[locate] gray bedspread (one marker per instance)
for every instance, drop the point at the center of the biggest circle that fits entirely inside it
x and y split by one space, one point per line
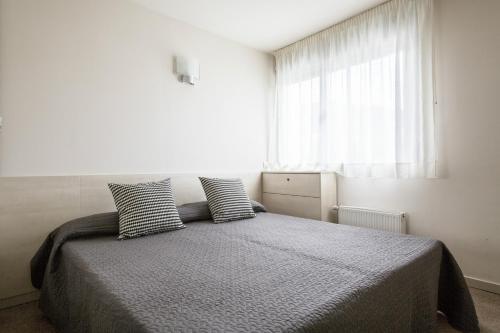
273 273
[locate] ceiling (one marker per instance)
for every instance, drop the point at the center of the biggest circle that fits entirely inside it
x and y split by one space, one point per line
265 25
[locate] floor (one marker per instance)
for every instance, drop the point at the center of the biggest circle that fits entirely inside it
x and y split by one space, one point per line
27 317
488 311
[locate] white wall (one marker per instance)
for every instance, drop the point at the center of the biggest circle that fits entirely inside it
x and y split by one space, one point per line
463 207
87 87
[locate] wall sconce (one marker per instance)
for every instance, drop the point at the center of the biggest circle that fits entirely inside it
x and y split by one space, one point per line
187 69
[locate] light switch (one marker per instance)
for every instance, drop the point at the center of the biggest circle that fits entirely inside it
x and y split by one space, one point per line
1 122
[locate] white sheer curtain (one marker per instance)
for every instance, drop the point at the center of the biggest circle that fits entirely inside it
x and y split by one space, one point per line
357 98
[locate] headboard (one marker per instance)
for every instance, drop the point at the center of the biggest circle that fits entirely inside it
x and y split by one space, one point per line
31 207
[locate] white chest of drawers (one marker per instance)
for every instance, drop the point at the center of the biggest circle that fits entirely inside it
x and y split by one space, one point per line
306 194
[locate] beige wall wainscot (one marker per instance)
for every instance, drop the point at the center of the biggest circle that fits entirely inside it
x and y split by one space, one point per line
31 207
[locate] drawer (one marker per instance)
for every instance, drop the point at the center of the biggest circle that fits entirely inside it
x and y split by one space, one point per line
303 184
306 207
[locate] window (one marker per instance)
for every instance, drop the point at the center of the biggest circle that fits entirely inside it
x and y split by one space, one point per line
358 98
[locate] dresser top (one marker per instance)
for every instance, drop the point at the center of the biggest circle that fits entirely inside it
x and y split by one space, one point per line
300 172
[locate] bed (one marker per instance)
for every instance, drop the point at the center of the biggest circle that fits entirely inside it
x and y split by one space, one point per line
272 273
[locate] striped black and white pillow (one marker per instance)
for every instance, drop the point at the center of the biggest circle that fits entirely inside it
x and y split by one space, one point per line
145 208
227 199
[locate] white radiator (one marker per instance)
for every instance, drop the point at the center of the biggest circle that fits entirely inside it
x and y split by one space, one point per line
368 218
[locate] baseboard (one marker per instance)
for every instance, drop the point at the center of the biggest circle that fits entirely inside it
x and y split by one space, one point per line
490 286
19 299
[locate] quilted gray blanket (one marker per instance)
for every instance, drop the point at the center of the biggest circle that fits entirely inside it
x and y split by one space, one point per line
272 273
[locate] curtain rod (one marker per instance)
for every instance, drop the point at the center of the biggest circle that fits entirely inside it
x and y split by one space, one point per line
331 26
